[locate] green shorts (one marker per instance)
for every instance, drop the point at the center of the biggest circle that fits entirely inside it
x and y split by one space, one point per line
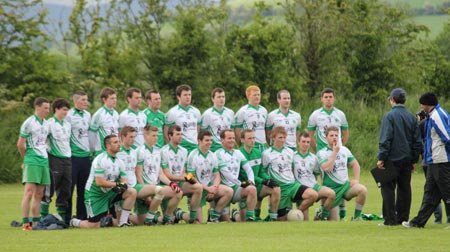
36 174
288 192
341 191
140 206
98 204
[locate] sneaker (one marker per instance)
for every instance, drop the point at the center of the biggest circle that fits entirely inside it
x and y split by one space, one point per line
318 214
408 224
234 211
150 223
125 225
250 219
27 227
359 218
213 220
258 219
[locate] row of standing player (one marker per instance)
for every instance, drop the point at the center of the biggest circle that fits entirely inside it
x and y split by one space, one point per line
104 119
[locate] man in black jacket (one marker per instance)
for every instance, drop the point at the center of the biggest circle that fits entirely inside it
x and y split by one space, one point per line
400 143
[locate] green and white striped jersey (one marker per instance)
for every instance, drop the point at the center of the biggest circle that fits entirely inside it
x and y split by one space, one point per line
188 119
104 122
129 158
203 166
79 138
215 121
231 163
59 138
135 119
320 119
278 163
291 122
110 168
174 159
150 160
306 168
35 131
339 174
251 117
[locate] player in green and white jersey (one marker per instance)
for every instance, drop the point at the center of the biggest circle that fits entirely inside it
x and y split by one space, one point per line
333 160
106 185
233 162
32 147
306 168
132 116
252 116
326 116
217 118
173 162
105 121
79 119
278 160
322 118
205 166
283 116
59 160
149 171
264 185
184 115
128 154
154 115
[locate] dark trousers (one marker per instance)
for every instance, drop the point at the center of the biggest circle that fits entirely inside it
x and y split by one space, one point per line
437 188
397 210
438 211
81 167
61 181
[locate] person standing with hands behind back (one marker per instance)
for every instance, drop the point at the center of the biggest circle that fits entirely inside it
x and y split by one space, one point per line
399 143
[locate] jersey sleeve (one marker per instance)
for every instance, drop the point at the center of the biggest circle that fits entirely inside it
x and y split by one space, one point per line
238 119
95 122
312 124
299 124
204 122
169 119
140 156
269 121
316 169
321 156
25 129
344 122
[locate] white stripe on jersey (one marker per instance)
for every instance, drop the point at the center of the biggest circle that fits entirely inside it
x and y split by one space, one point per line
79 139
129 158
291 122
339 174
137 120
215 121
187 119
279 164
59 138
203 166
150 159
174 160
306 168
250 117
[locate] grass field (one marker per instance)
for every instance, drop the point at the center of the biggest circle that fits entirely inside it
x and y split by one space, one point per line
287 236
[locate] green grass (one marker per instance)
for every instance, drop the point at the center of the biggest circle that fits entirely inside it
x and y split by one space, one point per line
434 23
287 236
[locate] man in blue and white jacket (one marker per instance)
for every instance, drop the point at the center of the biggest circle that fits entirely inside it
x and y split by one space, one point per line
437 156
